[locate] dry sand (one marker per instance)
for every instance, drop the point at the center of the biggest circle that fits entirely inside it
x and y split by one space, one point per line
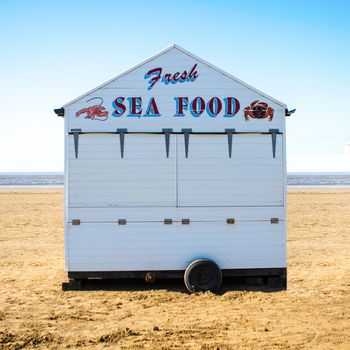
312 314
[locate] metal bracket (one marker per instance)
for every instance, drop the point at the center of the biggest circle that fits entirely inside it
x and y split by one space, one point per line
76 140
230 221
75 222
121 221
185 221
59 111
229 140
273 137
186 133
274 220
122 133
168 221
167 133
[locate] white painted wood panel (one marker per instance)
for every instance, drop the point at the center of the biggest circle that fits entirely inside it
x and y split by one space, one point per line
219 214
144 177
157 231
137 247
145 187
199 177
210 83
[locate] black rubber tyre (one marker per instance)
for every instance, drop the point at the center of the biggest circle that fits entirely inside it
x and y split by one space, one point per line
203 275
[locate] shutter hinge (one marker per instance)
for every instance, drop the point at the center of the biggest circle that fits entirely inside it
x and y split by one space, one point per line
273 137
167 133
229 140
122 133
76 133
121 221
186 133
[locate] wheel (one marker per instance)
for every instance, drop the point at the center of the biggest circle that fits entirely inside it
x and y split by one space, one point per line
203 275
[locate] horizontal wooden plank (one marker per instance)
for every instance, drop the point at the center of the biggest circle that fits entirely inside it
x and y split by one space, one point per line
146 176
176 213
244 197
115 164
82 173
261 254
139 229
114 156
141 203
167 242
175 265
253 178
115 187
168 249
140 246
133 203
140 264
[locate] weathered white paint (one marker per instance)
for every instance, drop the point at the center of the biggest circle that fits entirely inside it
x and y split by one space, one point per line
99 177
145 187
210 83
155 246
150 214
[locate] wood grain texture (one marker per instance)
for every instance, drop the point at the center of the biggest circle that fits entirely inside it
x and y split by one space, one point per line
209 83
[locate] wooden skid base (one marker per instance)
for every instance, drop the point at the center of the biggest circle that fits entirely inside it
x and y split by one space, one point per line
72 284
273 277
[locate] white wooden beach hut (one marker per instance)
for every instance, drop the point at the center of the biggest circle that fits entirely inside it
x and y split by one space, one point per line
175 168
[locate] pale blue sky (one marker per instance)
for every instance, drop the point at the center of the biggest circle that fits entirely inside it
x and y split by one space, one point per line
295 51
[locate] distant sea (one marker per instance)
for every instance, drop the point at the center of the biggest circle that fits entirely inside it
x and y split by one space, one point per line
55 180
31 180
318 180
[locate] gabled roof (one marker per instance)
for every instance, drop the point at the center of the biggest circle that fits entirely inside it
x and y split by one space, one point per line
175 46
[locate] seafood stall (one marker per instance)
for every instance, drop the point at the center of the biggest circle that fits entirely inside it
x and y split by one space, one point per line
175 168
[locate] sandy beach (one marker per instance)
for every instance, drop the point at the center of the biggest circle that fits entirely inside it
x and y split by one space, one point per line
312 314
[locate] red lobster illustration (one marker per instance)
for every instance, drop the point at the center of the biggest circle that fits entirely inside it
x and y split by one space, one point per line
258 110
97 112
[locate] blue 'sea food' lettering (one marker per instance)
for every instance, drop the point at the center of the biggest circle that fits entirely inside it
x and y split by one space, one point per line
226 107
